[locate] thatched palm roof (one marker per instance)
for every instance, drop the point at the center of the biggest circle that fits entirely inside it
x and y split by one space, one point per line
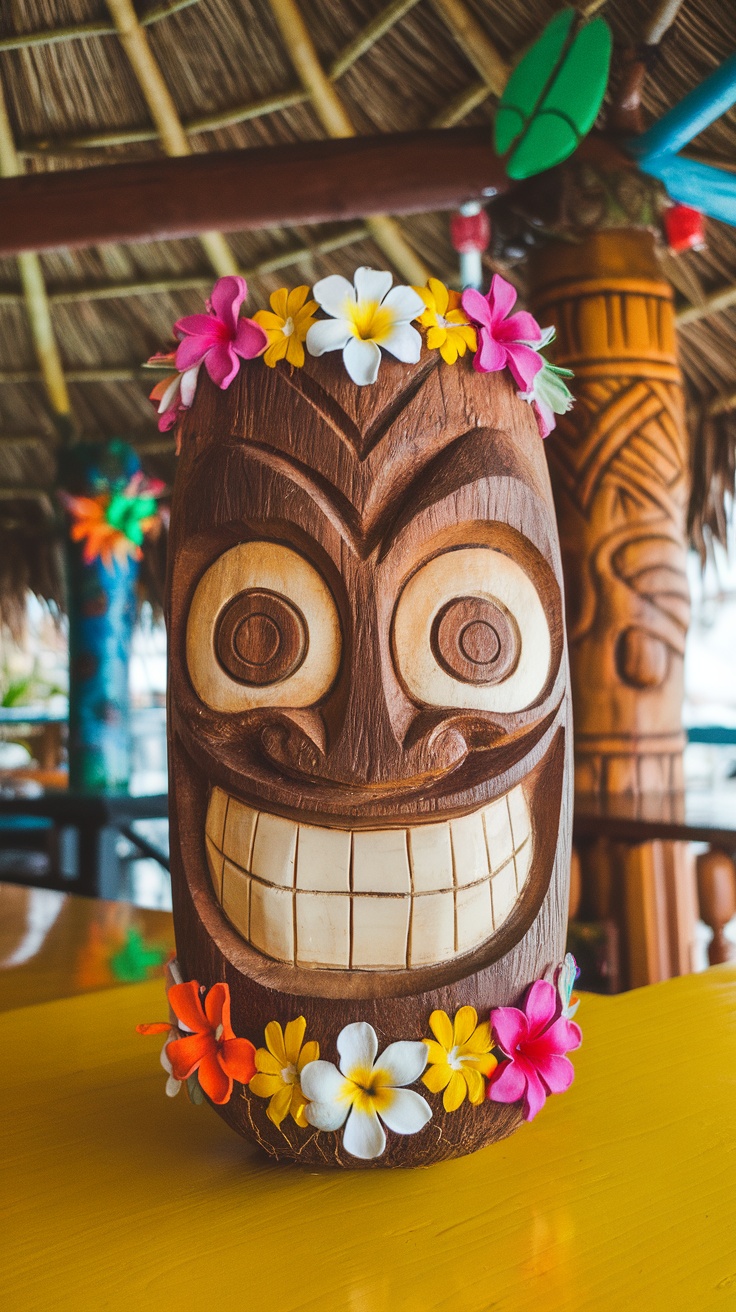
75 96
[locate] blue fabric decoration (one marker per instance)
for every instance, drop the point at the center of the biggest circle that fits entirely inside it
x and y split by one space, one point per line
693 115
709 189
705 188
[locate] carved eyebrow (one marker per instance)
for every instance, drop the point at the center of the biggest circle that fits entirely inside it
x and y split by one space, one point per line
224 460
485 456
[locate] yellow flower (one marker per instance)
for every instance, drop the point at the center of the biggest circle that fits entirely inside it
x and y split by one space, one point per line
287 327
448 328
459 1056
279 1066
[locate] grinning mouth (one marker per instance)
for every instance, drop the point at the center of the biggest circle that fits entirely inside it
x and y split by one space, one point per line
380 899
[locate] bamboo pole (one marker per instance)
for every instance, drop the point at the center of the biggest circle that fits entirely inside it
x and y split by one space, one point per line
713 304
460 105
51 36
661 20
110 374
362 43
34 290
194 282
721 405
164 113
475 43
335 120
252 109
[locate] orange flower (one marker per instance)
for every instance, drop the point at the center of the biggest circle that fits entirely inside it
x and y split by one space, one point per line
100 538
210 1047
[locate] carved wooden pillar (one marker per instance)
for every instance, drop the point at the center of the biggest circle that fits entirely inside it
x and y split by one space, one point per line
619 471
618 463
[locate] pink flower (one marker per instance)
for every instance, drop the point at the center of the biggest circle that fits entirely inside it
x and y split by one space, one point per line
219 337
503 341
534 1041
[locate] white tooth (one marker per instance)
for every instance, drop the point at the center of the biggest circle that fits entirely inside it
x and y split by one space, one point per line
323 859
474 918
274 850
498 833
323 929
380 861
430 852
519 813
272 921
214 861
240 827
469 852
380 932
503 886
236 898
523 862
432 934
216 812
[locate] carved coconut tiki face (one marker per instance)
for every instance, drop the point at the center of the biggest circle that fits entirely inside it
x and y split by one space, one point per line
369 717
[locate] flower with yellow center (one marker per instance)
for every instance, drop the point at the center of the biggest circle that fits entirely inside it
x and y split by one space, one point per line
459 1056
367 1091
449 330
286 325
366 316
279 1067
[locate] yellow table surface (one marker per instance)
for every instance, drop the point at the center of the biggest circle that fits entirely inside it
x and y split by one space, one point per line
620 1196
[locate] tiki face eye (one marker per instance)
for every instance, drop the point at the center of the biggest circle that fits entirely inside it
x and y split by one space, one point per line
470 631
273 630
261 638
476 640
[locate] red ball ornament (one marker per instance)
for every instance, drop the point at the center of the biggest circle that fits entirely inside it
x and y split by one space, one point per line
470 232
684 229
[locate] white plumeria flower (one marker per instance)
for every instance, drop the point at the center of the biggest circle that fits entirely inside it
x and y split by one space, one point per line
172 1084
365 316
365 1089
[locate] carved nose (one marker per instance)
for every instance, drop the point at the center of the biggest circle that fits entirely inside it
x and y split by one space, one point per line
360 758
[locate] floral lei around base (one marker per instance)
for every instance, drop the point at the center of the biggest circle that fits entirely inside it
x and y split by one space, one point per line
362 319
517 1055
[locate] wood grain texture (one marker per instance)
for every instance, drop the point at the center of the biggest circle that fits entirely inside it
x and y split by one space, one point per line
619 472
716 874
308 182
618 1197
369 487
619 467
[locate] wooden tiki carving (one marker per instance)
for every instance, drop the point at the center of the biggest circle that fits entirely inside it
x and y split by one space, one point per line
368 715
618 463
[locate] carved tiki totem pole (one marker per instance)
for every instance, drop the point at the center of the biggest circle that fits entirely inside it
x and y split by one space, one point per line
618 463
369 714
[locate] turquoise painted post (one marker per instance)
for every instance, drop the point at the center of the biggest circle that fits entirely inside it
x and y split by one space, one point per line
101 599
102 607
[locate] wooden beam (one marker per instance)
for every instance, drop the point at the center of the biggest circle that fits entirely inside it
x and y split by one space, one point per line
302 182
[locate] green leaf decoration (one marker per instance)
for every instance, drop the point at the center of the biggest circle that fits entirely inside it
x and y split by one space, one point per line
125 513
136 958
553 96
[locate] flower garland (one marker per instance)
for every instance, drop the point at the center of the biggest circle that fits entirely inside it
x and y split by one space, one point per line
517 1055
113 524
362 319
